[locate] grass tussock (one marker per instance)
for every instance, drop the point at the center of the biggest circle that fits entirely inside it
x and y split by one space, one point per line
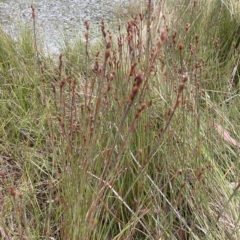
132 136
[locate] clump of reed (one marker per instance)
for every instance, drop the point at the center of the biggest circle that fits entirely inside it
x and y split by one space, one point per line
137 140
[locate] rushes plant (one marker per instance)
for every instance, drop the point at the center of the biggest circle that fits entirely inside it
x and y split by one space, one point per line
132 137
117 169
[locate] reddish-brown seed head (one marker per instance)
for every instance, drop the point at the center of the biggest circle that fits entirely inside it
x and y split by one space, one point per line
108 44
163 36
180 46
107 54
138 79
